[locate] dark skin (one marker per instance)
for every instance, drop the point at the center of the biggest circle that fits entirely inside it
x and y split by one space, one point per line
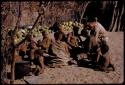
37 58
72 40
92 44
45 44
40 60
58 38
103 53
106 58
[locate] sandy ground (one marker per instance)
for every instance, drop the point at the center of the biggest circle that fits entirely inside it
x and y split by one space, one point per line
83 75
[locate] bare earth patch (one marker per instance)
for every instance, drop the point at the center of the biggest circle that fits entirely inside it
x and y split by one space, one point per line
82 75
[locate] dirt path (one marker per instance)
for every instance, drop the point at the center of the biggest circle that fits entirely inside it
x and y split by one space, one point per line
82 75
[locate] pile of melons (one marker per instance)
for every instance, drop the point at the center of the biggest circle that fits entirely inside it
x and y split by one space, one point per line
68 26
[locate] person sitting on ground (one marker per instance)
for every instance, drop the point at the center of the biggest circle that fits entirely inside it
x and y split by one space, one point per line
60 50
104 56
61 31
32 47
72 40
73 44
35 58
38 61
23 48
31 44
101 50
45 43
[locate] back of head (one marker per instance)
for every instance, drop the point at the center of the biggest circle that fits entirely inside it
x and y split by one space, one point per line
55 27
45 33
85 32
92 19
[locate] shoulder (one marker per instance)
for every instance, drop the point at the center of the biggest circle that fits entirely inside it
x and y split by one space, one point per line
64 43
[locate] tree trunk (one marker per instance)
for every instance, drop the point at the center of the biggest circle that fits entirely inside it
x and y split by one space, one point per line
13 67
84 9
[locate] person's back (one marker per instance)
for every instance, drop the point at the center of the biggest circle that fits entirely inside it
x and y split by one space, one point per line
100 29
59 44
60 50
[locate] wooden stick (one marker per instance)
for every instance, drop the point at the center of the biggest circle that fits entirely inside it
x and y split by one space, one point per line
14 49
15 46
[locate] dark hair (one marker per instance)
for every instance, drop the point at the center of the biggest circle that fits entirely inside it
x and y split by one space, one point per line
55 27
31 45
85 33
92 19
21 53
57 35
44 33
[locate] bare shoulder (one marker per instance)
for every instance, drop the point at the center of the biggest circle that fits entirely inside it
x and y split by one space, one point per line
64 43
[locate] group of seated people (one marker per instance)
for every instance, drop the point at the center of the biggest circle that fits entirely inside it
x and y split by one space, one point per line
59 49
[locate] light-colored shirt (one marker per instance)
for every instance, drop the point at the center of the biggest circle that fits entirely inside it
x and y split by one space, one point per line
100 30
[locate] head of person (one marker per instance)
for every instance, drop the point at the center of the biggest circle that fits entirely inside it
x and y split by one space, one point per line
61 28
55 27
45 34
58 36
33 45
92 21
85 33
39 43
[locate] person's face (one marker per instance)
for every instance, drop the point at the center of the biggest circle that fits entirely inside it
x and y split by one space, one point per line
33 45
60 37
61 29
46 35
91 24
